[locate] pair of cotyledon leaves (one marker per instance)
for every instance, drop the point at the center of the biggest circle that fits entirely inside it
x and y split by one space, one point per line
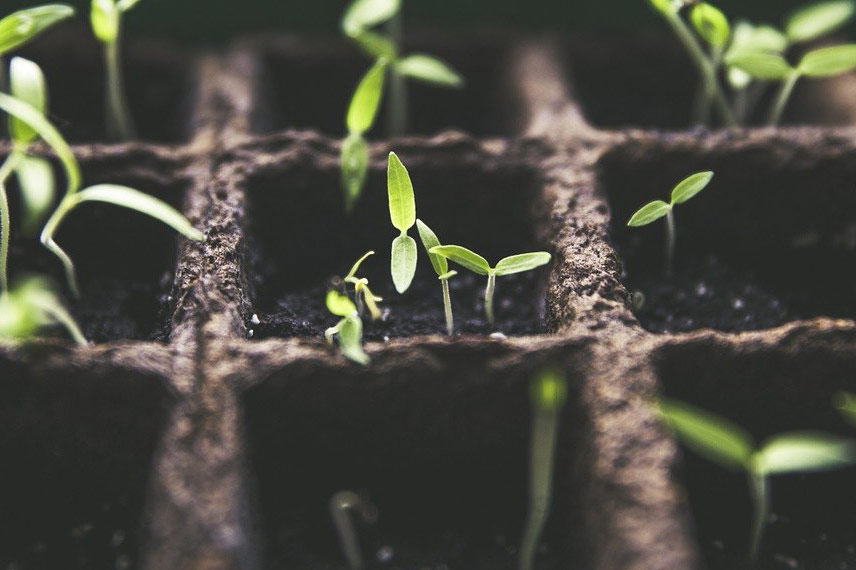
349 330
684 191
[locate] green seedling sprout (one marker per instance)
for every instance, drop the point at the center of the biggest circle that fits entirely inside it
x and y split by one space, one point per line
402 212
21 27
74 197
548 394
363 295
441 266
728 445
31 306
106 17
479 265
713 27
349 330
657 209
341 506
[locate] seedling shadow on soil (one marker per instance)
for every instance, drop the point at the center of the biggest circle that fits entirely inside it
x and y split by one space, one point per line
770 241
310 87
813 522
294 254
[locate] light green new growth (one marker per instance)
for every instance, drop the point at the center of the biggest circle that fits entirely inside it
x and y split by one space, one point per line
441 266
653 211
402 212
106 19
548 394
479 265
349 330
341 506
19 28
719 441
362 293
31 306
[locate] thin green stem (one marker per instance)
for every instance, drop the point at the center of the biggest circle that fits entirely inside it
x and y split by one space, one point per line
6 171
51 227
704 97
488 297
670 242
447 302
761 502
119 122
341 505
782 98
398 104
64 318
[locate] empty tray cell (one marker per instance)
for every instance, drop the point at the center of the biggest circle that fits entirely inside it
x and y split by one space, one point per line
767 390
439 444
78 439
125 260
160 84
650 82
294 252
772 238
308 84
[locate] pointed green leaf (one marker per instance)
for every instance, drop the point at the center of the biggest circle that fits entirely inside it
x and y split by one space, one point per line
648 213
818 20
403 265
429 240
355 167
707 434
402 202
748 38
803 452
362 14
463 257
351 339
340 305
430 70
522 262
27 83
356 266
37 184
377 46
690 186
711 24
366 100
829 61
20 27
761 65
105 20
846 404
143 203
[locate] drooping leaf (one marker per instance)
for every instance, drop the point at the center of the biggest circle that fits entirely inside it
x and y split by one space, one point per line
711 24
20 27
549 391
708 435
762 65
37 184
430 70
356 266
143 203
351 339
403 264
27 83
355 166
402 202
690 186
377 46
463 257
340 305
522 262
105 17
429 240
40 296
803 452
648 213
818 20
363 14
366 100
829 61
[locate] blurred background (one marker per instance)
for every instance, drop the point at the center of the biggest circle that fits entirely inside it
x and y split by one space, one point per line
216 21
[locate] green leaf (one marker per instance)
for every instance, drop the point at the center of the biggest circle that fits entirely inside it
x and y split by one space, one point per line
829 61
549 391
430 70
20 27
362 14
708 435
366 100
403 265
818 20
402 202
126 5
448 275
648 213
463 257
105 16
355 167
690 186
19 320
522 262
663 6
143 203
27 83
429 240
761 65
37 185
377 46
340 305
748 38
356 266
846 404
803 452
39 295
351 339
711 24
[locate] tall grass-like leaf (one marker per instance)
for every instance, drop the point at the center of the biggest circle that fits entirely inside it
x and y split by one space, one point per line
429 69
464 257
804 452
366 100
522 262
690 186
829 61
402 202
24 25
364 14
818 20
711 24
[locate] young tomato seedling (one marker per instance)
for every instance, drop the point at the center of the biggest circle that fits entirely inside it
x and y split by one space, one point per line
723 443
106 17
349 330
362 293
479 265
402 212
657 209
441 266
548 394
31 306
342 504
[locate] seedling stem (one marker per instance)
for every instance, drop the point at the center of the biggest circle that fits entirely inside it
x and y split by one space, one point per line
488 297
761 503
6 171
341 505
447 303
670 242
783 97
119 122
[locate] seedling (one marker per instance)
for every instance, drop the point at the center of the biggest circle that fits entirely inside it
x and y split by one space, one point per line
362 294
402 212
341 506
479 265
19 28
441 266
74 197
30 307
657 209
349 330
726 444
548 394
106 17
